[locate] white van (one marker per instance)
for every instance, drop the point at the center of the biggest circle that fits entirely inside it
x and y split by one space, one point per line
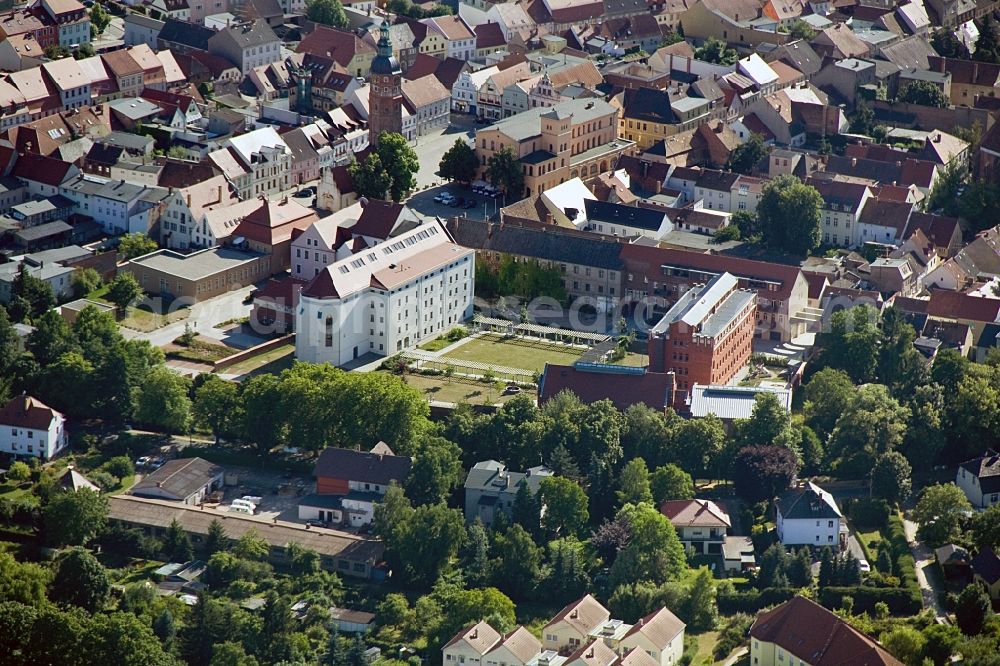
244 503
239 508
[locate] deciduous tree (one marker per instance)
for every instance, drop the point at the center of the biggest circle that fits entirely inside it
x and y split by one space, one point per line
326 12
923 93
135 245
80 580
716 52
789 215
972 609
764 472
891 477
163 401
670 482
654 552
459 162
74 518
939 513
565 506
503 170
633 485
124 291
747 155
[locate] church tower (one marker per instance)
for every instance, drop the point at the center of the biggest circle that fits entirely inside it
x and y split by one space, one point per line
385 96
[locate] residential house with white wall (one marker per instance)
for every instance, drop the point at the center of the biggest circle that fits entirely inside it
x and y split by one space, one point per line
247 45
185 224
465 91
470 646
72 20
571 627
843 203
28 427
809 516
659 634
69 80
517 648
700 524
491 488
979 479
120 207
258 162
459 38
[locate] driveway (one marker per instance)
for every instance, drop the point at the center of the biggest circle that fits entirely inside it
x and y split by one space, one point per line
202 319
924 558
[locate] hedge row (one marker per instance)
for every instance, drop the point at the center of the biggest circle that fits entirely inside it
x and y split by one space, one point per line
752 601
900 601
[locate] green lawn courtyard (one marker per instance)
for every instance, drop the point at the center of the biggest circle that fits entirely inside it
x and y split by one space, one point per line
460 389
525 353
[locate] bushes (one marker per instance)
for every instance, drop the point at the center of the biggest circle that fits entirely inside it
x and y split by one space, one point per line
733 634
750 602
871 513
900 601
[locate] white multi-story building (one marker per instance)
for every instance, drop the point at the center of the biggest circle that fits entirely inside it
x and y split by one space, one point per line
256 163
809 516
118 206
457 34
387 298
247 46
843 203
30 428
465 91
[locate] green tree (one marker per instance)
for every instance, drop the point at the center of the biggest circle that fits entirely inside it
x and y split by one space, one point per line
748 224
216 540
764 472
124 291
19 472
654 552
477 567
35 294
85 50
703 440
923 93
326 12
972 610
891 477
747 155
85 280
22 583
80 580
852 343
873 424
863 121
135 245
939 513
519 566
526 511
165 628
231 653
768 424
275 645
163 401
99 18
565 506
948 45
941 642
799 570
700 608
789 215
371 179
400 162
74 518
905 643
716 52
216 405
670 482
504 171
633 485
177 543
459 162
262 398
988 43
945 195
251 546
436 471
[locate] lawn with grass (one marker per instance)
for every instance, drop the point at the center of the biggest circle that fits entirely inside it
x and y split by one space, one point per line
526 353
459 389
706 647
437 344
272 361
869 542
199 351
17 492
141 318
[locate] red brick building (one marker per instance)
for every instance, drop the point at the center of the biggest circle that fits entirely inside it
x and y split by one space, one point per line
706 336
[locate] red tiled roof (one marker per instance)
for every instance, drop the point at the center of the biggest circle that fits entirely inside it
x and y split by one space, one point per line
285 290
655 390
489 35
956 305
810 632
41 169
939 229
642 258
24 411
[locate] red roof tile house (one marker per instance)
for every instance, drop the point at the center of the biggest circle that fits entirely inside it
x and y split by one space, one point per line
801 630
349 483
701 524
269 229
29 427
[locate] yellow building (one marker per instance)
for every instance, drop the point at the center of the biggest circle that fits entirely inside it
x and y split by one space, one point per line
578 138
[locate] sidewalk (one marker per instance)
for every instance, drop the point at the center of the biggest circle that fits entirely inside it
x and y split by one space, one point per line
924 557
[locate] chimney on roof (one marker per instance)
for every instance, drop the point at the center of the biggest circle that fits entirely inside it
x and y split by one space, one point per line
475 633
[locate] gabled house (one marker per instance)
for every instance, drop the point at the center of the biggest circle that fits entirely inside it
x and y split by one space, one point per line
490 489
802 631
28 427
185 480
809 516
700 524
246 46
349 483
659 635
517 648
569 631
470 646
979 479
594 653
270 227
986 571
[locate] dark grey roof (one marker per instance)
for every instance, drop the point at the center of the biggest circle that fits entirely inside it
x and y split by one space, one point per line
41 231
706 88
126 140
362 466
181 478
986 564
808 502
989 337
987 469
800 55
722 181
603 211
648 104
537 157
539 243
257 33
188 34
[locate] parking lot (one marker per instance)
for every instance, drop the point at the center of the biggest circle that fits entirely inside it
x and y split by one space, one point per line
279 492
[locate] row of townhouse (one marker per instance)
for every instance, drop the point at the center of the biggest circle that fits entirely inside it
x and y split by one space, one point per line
582 633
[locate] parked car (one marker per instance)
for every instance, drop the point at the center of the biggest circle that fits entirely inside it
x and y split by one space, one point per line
443 197
455 203
864 566
470 203
512 389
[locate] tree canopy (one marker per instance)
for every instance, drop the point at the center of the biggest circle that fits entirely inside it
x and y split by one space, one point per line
789 215
326 12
